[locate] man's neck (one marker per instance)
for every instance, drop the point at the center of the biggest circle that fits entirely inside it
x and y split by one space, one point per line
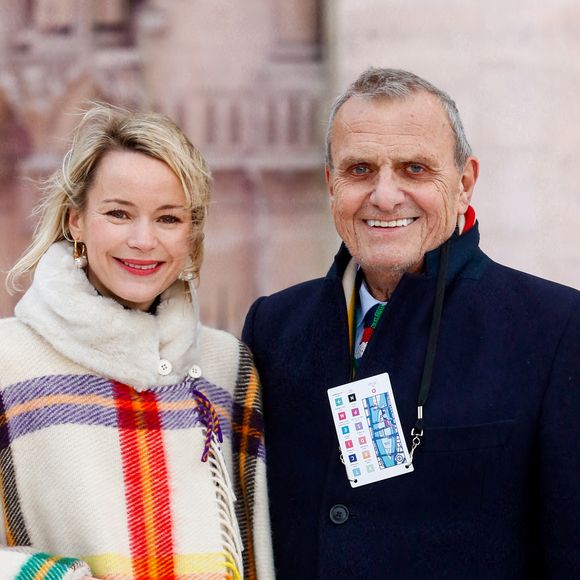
382 283
382 286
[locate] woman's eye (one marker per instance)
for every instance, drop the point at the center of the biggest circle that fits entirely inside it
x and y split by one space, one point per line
169 219
117 213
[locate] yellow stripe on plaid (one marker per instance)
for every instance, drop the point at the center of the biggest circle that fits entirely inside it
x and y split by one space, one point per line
252 394
210 563
96 400
45 568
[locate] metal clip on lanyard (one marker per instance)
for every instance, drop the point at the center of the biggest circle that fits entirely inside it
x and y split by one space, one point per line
417 431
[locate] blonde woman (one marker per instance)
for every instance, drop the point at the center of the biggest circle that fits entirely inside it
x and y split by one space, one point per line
128 428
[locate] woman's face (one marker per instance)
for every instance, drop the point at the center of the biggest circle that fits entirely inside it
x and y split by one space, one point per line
135 227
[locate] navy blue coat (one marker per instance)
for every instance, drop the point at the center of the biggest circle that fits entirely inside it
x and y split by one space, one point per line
495 493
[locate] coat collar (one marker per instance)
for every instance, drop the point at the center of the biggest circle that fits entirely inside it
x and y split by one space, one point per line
99 334
466 260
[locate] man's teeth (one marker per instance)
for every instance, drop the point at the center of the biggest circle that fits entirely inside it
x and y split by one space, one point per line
390 224
141 266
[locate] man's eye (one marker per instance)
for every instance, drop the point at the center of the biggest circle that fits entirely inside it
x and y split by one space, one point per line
415 168
360 170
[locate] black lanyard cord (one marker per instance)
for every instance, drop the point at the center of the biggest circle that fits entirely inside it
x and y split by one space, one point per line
417 431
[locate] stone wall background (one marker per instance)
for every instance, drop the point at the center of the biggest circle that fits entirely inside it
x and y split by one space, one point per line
250 82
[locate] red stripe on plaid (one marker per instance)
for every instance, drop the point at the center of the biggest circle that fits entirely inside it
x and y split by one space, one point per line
128 425
162 521
146 483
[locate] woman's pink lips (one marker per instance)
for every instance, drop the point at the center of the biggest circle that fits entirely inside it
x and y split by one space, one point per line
127 265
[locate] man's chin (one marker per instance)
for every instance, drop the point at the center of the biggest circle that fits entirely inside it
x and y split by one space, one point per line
388 265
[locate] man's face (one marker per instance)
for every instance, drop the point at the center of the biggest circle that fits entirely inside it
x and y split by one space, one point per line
394 188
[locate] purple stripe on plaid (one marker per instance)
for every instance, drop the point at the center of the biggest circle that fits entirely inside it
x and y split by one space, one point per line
60 414
91 413
56 384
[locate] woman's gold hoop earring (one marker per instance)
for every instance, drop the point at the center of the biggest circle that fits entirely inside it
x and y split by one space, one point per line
80 255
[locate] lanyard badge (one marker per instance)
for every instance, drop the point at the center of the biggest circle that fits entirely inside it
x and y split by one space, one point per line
365 414
369 432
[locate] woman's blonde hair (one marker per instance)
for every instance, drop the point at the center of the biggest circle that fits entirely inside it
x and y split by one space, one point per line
105 128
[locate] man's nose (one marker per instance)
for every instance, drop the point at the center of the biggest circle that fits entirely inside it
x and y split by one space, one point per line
143 236
387 193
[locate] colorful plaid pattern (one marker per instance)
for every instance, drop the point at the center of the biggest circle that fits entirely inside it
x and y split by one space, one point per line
248 445
42 566
89 400
142 419
147 483
16 533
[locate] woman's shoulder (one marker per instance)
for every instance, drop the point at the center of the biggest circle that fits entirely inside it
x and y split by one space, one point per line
18 344
224 358
13 333
220 339
24 354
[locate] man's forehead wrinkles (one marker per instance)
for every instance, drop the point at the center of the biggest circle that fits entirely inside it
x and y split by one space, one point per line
413 150
383 126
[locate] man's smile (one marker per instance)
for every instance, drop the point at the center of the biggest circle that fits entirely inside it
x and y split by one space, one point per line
403 222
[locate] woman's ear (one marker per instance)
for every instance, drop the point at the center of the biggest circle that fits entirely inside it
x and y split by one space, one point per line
75 223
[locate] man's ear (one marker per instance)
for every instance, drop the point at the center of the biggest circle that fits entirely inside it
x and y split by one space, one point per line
328 177
75 224
467 183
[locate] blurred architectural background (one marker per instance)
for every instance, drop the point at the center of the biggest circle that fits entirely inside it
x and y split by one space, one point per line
250 82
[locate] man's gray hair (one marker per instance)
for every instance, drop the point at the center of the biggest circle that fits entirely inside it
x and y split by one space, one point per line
400 84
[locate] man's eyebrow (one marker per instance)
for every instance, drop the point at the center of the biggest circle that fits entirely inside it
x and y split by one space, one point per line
419 158
352 160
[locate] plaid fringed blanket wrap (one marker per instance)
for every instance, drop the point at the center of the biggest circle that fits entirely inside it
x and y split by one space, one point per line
94 469
248 450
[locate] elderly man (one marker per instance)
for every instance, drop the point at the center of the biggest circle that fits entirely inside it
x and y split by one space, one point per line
439 436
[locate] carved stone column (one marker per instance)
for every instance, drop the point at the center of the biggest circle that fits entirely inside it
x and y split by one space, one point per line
297 25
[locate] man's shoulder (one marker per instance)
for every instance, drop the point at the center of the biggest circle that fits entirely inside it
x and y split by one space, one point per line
298 293
531 284
297 302
292 310
531 296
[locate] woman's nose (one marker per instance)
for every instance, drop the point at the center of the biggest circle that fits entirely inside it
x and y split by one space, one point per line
143 236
